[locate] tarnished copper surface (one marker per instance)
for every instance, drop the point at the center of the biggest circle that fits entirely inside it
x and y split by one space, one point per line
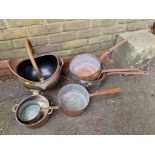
72 113
45 116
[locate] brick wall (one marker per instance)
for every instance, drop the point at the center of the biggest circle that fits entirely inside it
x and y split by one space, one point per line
61 36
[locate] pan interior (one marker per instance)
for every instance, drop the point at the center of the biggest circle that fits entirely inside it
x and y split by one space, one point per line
41 102
73 98
46 64
85 65
30 111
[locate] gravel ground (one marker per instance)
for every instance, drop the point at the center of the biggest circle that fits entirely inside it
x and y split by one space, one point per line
130 112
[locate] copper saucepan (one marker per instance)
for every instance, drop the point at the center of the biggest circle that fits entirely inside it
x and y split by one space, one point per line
74 98
87 66
93 85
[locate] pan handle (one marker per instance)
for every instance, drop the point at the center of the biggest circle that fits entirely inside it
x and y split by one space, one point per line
50 109
14 108
62 62
128 73
30 53
55 107
120 70
111 49
108 91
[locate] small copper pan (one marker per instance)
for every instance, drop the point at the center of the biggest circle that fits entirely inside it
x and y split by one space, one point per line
74 98
45 113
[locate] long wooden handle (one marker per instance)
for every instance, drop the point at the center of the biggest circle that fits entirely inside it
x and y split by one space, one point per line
108 91
128 73
120 70
30 53
111 49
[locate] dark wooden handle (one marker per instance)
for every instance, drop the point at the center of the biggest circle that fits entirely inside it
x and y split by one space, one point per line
108 91
30 53
111 49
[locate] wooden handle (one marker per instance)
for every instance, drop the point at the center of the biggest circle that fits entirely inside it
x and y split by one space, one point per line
108 91
120 70
111 49
117 45
128 73
30 53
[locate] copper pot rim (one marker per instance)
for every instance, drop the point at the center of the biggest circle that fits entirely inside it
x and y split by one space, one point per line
91 77
65 110
73 113
45 112
22 59
94 56
101 77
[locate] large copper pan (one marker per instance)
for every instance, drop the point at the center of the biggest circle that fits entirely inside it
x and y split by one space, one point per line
74 98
